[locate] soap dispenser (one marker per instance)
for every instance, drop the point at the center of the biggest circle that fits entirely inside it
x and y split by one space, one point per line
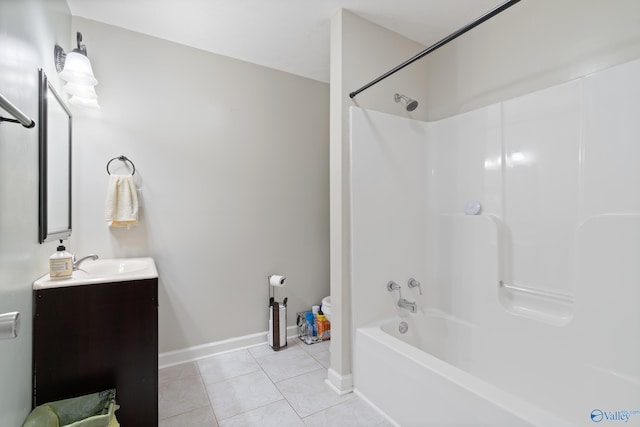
60 263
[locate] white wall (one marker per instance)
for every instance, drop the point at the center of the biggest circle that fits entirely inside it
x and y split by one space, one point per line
389 178
522 160
608 235
28 32
532 45
360 52
464 163
232 159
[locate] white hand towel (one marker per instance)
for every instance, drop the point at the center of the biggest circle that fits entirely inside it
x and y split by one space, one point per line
122 201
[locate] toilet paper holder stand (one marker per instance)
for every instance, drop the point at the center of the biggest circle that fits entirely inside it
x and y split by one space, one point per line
276 323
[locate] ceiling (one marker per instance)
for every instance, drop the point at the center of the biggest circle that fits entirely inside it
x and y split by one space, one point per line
288 35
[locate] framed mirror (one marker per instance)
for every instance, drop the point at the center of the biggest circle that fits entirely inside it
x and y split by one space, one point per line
54 164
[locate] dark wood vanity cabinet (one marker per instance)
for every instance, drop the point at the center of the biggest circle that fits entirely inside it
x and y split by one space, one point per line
94 337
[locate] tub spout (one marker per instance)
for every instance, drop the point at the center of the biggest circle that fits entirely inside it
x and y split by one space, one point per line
411 306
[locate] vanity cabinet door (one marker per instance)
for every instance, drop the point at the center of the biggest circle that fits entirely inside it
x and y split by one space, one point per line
91 338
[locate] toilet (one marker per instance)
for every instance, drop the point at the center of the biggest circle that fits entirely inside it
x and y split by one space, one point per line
326 307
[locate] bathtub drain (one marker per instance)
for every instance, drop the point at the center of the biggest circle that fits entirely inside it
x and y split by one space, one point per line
403 328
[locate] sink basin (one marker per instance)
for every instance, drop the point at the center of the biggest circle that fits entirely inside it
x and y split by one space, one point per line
104 271
110 267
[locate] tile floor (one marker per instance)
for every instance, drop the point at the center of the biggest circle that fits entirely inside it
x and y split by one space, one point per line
260 387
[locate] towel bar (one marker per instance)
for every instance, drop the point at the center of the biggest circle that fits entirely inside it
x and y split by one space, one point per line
20 117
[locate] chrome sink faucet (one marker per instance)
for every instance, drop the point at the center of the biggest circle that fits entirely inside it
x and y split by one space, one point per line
76 263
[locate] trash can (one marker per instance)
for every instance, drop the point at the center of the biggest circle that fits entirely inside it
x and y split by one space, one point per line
91 410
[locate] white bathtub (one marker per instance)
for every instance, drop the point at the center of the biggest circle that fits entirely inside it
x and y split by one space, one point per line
445 372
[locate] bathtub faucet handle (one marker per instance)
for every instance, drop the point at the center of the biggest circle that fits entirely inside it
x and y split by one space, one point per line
392 286
413 283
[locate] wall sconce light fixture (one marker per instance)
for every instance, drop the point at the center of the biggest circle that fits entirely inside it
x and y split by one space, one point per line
75 68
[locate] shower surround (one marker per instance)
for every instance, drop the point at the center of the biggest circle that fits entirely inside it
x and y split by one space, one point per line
530 307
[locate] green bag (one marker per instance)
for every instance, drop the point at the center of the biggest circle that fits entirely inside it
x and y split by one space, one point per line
91 410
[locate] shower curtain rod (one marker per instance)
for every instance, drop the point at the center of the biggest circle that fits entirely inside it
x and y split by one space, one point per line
20 117
504 6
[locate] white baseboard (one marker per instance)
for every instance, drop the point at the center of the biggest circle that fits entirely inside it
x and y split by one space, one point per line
190 354
341 384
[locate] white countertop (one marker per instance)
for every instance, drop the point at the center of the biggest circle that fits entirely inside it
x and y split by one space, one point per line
103 271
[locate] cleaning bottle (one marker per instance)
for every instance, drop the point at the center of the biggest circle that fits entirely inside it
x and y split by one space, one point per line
323 326
60 263
312 330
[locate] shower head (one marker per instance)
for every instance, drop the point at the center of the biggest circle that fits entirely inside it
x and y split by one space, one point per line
410 104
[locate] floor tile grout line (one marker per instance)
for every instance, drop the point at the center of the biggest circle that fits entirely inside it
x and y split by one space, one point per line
296 376
316 412
206 391
256 408
231 378
255 359
180 377
183 413
317 360
284 379
340 402
260 369
280 391
190 410
294 410
237 376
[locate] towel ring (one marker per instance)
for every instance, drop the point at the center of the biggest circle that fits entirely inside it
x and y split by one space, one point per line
123 159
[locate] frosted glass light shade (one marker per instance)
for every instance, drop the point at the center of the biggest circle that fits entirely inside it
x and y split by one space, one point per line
82 91
84 102
77 69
